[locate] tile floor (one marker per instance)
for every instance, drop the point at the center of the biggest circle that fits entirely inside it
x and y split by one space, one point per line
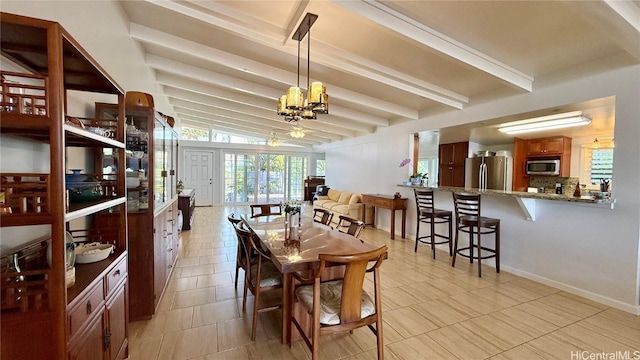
431 311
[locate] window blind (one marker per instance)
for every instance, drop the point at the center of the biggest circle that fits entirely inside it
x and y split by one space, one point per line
601 165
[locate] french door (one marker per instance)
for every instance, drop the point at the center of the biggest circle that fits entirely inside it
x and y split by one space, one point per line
263 178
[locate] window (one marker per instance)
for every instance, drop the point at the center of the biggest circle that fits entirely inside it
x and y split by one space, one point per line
190 132
601 165
597 164
264 178
320 167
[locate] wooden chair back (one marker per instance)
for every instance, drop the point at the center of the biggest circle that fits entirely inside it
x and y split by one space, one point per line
322 216
241 260
424 200
466 205
265 209
356 265
254 280
350 226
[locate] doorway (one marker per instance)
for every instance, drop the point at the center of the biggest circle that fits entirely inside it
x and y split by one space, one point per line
198 175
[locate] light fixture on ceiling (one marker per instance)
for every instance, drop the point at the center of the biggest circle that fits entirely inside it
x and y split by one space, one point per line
273 140
549 122
603 143
293 106
297 132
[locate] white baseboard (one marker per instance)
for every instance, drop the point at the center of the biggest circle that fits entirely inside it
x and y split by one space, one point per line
633 309
630 308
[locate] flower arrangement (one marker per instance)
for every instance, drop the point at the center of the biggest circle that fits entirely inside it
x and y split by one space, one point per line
292 207
179 186
415 178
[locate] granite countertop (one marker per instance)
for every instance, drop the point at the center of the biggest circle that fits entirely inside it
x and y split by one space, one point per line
521 194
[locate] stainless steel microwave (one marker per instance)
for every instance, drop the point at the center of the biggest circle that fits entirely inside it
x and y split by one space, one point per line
543 167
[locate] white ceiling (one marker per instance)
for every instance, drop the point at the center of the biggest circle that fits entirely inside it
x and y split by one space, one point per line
224 63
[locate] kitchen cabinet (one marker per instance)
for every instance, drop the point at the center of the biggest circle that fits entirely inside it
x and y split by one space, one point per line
451 159
152 202
555 147
41 315
550 146
520 177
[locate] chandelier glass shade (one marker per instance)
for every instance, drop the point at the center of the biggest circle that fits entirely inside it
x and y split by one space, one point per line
273 140
297 132
293 105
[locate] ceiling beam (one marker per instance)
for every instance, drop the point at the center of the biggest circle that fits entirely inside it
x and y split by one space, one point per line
235 117
244 132
327 123
404 25
274 40
249 128
201 75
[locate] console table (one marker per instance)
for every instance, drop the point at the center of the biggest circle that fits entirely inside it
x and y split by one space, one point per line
386 202
186 204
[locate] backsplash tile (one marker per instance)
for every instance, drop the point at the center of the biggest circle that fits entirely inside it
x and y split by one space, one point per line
549 183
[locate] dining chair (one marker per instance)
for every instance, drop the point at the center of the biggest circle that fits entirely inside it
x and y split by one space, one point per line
429 214
265 209
343 304
469 220
350 226
240 259
261 276
322 216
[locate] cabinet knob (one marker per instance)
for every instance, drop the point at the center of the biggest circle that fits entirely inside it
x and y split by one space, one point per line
170 250
170 266
89 307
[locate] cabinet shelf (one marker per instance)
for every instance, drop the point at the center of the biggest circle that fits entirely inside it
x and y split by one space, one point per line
77 211
77 136
32 106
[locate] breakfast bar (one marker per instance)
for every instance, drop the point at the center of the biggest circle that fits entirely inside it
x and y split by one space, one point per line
527 200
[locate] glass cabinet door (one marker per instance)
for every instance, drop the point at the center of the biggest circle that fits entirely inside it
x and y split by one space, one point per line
159 164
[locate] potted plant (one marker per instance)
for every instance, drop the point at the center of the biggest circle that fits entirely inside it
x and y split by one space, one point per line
180 186
418 178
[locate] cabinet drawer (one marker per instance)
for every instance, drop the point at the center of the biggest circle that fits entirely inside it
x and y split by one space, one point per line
91 303
382 202
116 274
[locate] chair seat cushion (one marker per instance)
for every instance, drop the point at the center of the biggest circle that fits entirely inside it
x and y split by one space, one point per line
330 294
270 276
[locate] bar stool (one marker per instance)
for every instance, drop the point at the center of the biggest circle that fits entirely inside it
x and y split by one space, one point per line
428 214
469 220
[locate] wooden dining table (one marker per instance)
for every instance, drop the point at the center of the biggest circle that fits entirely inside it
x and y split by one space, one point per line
315 239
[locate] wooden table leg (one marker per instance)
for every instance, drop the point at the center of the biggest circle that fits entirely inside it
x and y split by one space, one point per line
287 306
404 223
393 224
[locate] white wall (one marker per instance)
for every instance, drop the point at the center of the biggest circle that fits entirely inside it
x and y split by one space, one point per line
102 29
586 250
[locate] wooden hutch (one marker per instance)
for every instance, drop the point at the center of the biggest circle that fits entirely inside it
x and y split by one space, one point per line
152 200
42 318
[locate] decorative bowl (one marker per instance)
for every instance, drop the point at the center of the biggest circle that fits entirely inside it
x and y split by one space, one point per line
93 252
75 176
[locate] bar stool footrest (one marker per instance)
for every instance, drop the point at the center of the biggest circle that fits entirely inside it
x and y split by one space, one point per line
491 256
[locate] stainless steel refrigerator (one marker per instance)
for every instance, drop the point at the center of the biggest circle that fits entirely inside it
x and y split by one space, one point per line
489 172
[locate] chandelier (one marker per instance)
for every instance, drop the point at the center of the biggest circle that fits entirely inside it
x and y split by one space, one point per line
292 105
297 132
273 140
